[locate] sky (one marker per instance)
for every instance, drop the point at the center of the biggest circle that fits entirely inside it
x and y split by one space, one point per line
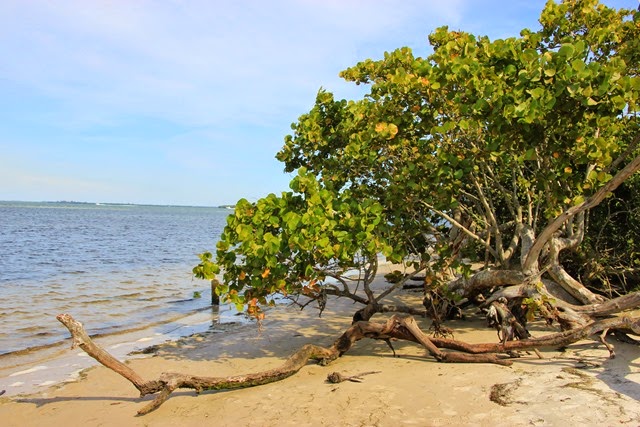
186 102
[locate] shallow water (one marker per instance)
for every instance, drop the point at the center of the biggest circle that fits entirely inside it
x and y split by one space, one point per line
37 369
113 267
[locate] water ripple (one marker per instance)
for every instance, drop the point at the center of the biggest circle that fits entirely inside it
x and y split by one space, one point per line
112 267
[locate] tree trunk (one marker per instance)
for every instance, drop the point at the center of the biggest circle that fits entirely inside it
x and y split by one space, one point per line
559 274
485 279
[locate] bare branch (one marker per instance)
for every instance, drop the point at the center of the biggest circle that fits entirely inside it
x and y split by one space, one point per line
462 227
589 203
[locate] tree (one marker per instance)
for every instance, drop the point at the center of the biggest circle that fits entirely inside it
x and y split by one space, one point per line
500 145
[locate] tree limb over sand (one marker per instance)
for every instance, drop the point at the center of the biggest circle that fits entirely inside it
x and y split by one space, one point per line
396 327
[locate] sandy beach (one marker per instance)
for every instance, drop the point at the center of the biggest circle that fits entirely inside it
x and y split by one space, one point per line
576 387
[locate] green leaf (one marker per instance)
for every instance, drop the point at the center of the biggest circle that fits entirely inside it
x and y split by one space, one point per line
578 64
566 50
530 154
604 177
309 271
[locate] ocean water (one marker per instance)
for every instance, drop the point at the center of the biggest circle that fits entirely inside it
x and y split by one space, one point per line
113 267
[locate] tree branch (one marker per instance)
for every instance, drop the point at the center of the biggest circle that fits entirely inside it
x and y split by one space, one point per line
462 227
591 202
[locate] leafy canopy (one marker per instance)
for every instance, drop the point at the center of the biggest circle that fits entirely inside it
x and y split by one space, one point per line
486 136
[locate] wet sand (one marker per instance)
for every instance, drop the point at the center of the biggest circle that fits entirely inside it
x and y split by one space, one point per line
580 386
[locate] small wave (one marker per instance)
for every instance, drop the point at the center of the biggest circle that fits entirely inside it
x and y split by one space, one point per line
28 329
32 332
132 295
154 299
112 314
181 301
28 371
18 312
51 293
98 301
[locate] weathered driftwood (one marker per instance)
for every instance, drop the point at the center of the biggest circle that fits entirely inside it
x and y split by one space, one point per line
337 377
560 339
500 317
168 382
395 328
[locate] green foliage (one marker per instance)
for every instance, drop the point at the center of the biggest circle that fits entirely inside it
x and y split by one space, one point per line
285 244
394 277
489 136
514 123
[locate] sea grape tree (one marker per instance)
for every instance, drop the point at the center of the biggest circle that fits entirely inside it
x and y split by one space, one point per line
309 241
490 149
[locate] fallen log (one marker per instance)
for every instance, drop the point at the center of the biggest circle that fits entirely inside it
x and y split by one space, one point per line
169 381
403 328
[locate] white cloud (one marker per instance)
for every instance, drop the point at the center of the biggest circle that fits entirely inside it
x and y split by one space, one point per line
162 96
195 62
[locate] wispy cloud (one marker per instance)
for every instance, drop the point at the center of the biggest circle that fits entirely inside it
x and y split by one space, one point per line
196 62
145 91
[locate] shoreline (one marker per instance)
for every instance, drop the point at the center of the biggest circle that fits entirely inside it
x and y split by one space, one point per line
580 386
115 332
34 369
166 311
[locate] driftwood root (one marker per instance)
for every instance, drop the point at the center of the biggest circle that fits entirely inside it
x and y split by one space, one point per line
403 328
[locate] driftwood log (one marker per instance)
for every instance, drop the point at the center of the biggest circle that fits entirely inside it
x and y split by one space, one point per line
337 377
403 328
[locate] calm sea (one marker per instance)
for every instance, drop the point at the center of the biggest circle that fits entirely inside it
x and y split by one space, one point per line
113 267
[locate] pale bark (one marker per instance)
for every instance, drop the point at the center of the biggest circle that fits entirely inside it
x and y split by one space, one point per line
612 306
528 239
486 279
572 286
574 237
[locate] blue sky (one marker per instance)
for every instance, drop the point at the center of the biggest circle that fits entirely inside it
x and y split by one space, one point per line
187 102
